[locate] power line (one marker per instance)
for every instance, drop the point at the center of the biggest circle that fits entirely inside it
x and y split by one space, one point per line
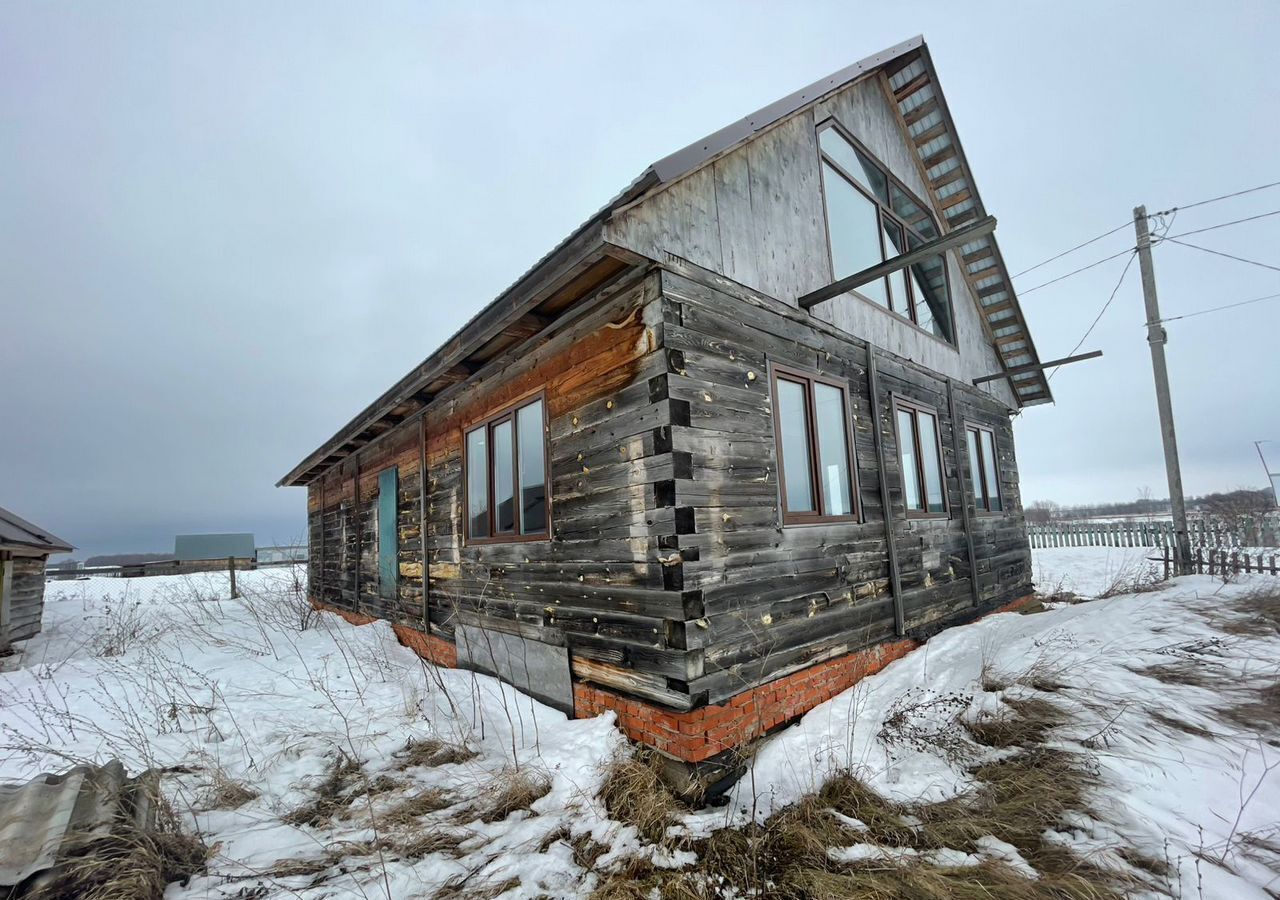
1023 293
1072 250
1205 312
1173 210
1274 212
1261 187
1252 262
1132 254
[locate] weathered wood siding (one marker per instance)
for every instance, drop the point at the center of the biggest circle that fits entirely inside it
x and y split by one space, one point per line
778 599
25 596
756 215
599 586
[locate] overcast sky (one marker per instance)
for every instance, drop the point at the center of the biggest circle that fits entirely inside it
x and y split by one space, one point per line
225 228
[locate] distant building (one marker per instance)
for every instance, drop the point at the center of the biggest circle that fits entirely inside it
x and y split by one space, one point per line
289 553
200 547
24 550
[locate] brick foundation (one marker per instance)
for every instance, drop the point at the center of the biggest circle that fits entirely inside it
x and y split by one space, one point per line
699 734
428 646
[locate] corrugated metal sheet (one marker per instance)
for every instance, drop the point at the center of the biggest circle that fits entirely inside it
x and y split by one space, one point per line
43 818
188 547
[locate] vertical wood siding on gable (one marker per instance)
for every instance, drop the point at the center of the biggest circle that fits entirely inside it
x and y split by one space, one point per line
756 215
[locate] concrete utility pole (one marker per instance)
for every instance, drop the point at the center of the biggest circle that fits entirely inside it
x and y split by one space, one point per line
1157 337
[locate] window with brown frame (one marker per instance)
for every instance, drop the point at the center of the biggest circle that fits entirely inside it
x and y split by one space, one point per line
924 490
505 473
983 472
815 448
872 217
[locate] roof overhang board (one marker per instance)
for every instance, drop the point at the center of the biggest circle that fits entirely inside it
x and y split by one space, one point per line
685 161
913 85
583 265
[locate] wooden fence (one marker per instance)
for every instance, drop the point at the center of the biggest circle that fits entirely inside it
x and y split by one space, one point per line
1262 532
1218 562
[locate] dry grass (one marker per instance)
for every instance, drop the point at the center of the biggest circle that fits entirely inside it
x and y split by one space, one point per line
1023 723
1134 578
1256 614
424 843
1174 723
459 889
1256 709
227 793
1189 672
635 794
514 790
432 752
127 863
333 795
1027 795
586 850
422 803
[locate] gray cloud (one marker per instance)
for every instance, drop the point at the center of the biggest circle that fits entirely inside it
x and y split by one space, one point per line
223 230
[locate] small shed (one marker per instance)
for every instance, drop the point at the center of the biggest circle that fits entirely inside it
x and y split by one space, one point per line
200 547
24 550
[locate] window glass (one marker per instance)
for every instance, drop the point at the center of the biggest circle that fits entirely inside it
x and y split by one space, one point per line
853 222
929 279
894 245
907 456
975 467
852 161
504 504
912 213
533 469
989 466
833 449
478 483
932 465
793 423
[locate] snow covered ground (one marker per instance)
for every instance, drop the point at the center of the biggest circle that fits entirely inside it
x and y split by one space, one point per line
321 760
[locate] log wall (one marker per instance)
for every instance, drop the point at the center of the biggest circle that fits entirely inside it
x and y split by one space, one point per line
24 596
598 586
669 576
776 599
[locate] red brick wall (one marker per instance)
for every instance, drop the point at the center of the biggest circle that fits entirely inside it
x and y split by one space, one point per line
702 733
698 734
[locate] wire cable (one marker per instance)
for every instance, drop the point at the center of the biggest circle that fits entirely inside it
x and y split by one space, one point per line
1173 211
1205 312
1261 187
1072 250
1274 212
1252 262
1091 265
1098 318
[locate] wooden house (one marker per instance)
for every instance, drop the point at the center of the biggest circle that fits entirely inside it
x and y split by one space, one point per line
24 550
673 471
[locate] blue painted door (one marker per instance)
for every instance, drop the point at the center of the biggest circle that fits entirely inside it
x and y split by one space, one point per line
388 534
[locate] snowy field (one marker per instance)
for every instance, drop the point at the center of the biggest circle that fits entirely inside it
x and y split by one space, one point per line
316 759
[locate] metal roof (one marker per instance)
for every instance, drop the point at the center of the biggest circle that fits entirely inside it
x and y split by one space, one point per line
677 165
17 531
188 547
